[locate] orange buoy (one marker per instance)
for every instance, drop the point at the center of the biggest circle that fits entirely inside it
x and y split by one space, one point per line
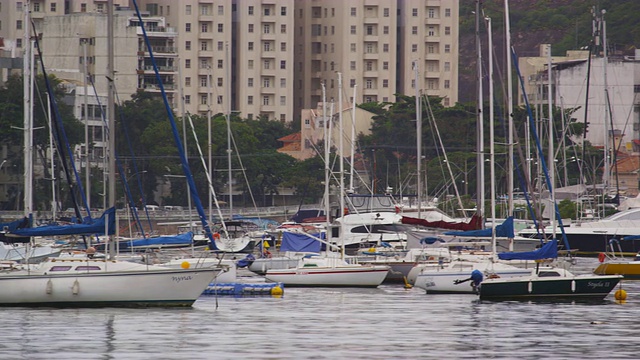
601 257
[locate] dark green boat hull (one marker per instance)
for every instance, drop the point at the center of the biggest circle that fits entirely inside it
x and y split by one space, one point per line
596 287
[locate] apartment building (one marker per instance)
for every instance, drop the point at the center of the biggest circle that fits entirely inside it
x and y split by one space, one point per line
428 36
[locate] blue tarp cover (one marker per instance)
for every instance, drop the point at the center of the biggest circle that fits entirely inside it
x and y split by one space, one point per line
503 230
96 227
300 242
182 239
547 251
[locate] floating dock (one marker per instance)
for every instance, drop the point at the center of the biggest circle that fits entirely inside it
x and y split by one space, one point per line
244 289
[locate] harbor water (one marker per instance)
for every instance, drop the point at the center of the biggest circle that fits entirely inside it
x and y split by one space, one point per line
388 322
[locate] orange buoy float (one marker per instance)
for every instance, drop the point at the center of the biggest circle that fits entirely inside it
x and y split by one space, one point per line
601 257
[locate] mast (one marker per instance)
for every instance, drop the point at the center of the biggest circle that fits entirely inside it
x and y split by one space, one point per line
607 130
341 131
418 140
111 112
228 84
552 163
353 138
28 111
509 99
86 123
480 120
209 144
326 164
492 159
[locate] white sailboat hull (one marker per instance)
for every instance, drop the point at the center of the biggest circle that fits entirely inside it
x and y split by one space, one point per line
348 276
438 279
98 283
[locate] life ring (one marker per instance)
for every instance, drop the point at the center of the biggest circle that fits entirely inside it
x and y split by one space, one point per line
601 257
216 236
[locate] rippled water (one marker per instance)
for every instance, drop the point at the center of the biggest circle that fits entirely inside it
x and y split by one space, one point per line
384 323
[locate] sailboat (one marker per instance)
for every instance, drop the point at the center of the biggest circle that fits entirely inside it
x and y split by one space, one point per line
546 282
89 281
330 268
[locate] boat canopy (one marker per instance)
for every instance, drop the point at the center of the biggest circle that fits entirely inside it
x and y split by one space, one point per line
548 251
300 242
503 230
170 240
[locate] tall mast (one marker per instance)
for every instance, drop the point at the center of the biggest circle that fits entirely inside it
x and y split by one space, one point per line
86 123
480 120
28 111
353 138
111 109
418 140
509 98
228 81
341 143
492 159
552 163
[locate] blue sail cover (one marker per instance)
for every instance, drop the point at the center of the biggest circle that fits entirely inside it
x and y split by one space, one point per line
300 242
171 240
14 225
95 227
548 251
503 230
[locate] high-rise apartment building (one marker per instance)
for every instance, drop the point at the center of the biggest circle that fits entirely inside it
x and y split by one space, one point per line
428 36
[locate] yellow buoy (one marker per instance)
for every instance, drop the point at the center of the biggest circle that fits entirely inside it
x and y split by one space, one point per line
620 295
276 291
185 265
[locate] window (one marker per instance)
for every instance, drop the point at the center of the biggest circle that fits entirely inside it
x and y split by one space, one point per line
283 64
431 49
18 43
219 81
446 101
220 10
53 7
414 30
283 82
283 100
203 81
283 117
220 28
266 64
250 10
283 11
19 24
204 63
431 31
369 48
333 48
265 100
385 47
414 12
204 10
385 83
385 12
447 66
250 46
333 30
353 11
219 100
220 63
352 82
203 46
83 7
369 65
187 63
204 27
266 46
250 64
446 84
187 81
187 27
283 29
447 12
187 45
220 46
447 48
36 7
283 46
431 13
250 28
353 47
19 6
447 30
250 82
266 29
353 29
385 65
333 12
385 30
203 99
432 84
369 29
250 100
187 10
413 83
368 84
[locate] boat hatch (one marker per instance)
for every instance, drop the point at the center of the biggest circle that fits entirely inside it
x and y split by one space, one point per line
60 268
548 273
87 268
